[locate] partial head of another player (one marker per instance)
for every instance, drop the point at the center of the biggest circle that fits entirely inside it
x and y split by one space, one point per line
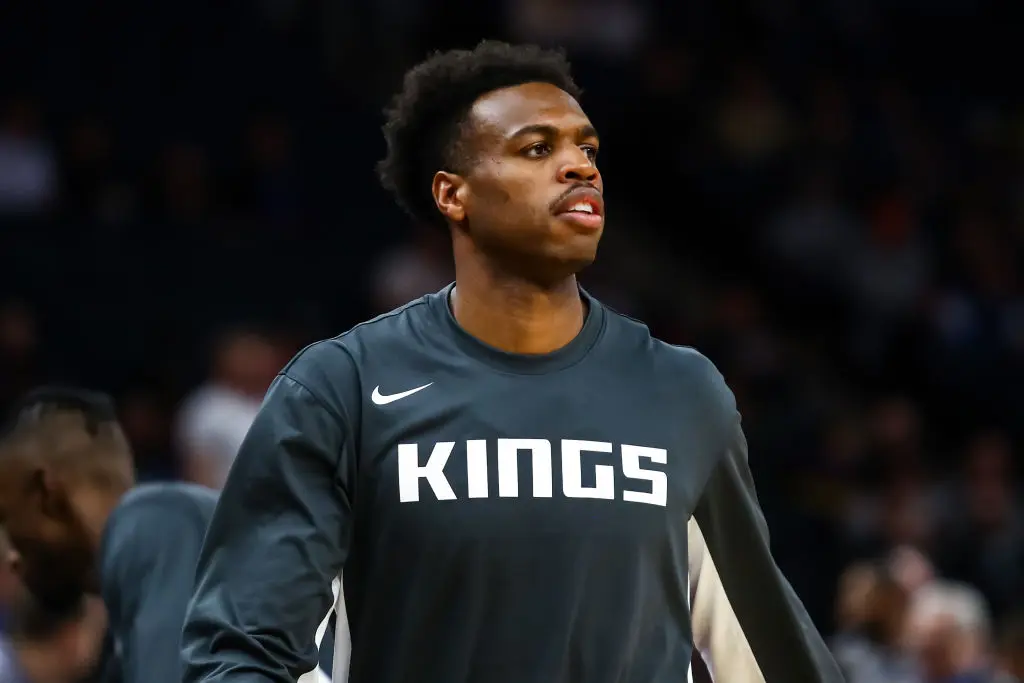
493 143
64 464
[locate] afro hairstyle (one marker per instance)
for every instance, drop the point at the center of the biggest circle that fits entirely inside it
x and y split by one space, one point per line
424 122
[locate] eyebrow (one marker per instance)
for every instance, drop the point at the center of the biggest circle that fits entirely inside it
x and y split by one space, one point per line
547 130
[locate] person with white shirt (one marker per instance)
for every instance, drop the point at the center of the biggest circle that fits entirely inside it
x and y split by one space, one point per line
216 417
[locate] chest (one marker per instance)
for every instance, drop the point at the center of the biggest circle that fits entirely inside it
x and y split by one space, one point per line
507 455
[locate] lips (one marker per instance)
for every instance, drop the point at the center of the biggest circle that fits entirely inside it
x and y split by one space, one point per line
582 201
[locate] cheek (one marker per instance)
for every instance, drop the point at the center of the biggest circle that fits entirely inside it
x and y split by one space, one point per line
517 203
510 185
33 533
489 196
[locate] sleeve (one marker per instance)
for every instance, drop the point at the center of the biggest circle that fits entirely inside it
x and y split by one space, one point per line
749 623
717 634
278 538
146 583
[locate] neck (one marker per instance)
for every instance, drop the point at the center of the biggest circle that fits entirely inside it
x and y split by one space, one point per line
513 314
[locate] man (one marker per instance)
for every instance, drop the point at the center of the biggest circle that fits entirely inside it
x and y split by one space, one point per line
67 504
869 649
519 484
214 418
949 630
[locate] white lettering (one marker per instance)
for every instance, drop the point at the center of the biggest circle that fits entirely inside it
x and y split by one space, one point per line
632 470
410 472
637 465
572 474
508 466
476 468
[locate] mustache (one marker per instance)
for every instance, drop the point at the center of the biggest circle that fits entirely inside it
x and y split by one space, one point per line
572 188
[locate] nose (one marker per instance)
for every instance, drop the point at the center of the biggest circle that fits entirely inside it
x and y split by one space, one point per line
579 169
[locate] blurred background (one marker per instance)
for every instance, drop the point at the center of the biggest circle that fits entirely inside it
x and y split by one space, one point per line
825 197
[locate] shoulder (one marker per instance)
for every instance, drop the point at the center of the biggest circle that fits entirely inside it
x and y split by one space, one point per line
681 366
155 520
329 369
174 504
628 334
394 326
697 372
164 494
681 372
698 381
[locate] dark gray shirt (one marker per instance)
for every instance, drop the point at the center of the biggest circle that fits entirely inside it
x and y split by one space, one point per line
147 569
496 518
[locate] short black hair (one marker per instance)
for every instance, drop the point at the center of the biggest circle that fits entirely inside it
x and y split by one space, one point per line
70 427
95 408
424 120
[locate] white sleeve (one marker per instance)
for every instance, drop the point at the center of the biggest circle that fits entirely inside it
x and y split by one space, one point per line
717 633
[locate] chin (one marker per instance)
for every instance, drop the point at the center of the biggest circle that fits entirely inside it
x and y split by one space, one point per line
562 244
58 580
579 254
566 266
582 261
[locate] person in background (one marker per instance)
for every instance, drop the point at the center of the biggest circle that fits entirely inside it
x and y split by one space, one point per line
81 527
950 631
872 615
1011 651
911 568
855 585
215 417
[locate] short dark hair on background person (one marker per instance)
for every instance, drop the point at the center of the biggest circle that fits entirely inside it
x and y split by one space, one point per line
94 407
423 125
69 427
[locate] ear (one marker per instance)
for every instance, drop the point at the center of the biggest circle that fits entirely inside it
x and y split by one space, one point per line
449 190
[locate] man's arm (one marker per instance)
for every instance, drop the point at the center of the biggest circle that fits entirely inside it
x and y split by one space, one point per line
278 538
147 574
753 624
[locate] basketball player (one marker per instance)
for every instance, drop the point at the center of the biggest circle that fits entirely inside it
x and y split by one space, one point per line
516 483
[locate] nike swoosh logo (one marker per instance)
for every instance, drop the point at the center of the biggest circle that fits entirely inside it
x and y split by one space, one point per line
382 399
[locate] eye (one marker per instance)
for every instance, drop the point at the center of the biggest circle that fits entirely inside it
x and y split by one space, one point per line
590 151
537 150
